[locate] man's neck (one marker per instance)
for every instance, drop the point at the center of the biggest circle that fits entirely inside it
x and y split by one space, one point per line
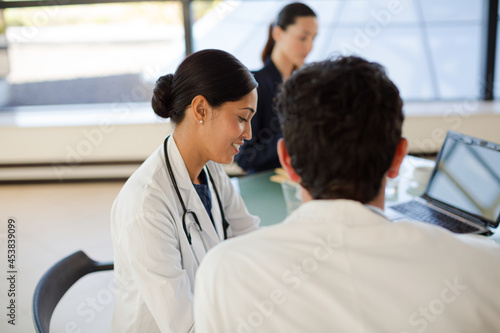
378 201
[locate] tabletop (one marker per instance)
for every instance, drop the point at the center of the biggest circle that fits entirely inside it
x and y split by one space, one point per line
263 197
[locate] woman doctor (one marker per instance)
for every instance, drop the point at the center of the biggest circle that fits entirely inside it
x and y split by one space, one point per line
180 203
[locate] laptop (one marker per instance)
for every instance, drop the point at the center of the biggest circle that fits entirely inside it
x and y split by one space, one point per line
463 192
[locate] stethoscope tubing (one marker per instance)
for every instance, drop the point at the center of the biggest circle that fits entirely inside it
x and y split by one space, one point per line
186 211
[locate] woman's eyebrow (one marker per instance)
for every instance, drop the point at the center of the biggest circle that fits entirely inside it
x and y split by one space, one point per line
251 110
307 32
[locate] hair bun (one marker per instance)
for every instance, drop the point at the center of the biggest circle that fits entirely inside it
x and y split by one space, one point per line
162 96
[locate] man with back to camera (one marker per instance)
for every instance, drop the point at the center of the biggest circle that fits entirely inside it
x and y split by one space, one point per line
337 264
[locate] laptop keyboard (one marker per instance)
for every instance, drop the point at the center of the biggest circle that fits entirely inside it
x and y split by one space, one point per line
421 212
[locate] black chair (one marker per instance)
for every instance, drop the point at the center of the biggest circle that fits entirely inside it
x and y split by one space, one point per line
56 281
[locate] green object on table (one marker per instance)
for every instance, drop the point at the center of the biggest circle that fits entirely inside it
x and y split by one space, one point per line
263 197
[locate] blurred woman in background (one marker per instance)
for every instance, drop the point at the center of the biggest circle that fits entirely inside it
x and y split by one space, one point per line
290 40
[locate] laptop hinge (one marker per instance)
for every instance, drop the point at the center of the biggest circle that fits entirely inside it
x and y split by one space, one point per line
476 219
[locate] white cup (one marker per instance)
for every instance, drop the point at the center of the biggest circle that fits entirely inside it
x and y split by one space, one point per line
293 196
421 175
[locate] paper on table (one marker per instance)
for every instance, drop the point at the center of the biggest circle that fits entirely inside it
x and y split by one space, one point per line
281 177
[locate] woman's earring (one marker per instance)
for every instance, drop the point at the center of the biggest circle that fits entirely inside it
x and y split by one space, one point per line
201 121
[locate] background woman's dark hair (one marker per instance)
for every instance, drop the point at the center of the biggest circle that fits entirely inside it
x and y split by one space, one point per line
341 121
287 16
214 74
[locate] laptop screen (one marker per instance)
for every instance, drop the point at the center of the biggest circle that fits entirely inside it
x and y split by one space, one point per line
467 177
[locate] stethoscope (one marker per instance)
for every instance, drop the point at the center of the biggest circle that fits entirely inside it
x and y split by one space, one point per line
188 212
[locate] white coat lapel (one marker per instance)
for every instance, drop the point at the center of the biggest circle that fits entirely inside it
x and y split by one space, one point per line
193 202
216 213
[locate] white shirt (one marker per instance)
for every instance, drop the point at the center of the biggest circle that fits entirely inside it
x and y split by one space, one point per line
154 263
337 266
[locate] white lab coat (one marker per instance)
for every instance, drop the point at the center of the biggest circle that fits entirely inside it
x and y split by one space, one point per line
338 266
154 264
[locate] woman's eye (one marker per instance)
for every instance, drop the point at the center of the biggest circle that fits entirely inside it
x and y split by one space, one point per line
242 119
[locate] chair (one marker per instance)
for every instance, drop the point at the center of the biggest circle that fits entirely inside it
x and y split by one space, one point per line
56 281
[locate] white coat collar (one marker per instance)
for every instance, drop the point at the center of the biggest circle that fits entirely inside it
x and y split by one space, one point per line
339 211
178 166
191 198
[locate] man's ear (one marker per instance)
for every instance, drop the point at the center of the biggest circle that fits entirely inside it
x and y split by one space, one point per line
199 108
398 158
286 161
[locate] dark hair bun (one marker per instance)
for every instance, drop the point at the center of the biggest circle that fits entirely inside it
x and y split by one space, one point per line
214 74
162 96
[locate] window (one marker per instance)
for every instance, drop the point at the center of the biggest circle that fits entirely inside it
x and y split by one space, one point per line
103 53
97 53
432 48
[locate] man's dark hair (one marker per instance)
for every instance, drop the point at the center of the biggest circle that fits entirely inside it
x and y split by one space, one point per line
341 122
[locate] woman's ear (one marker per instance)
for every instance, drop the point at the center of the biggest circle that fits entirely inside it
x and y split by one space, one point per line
398 158
286 161
277 33
199 108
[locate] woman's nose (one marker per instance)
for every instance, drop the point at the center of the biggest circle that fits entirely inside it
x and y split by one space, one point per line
247 132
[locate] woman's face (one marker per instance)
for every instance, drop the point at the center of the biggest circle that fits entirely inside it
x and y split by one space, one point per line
296 41
227 127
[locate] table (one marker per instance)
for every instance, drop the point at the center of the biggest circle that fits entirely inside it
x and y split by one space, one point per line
264 198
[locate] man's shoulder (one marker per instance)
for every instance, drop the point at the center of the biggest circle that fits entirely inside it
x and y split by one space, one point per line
438 242
242 248
241 244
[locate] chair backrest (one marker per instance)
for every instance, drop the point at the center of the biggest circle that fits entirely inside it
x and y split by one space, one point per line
56 281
